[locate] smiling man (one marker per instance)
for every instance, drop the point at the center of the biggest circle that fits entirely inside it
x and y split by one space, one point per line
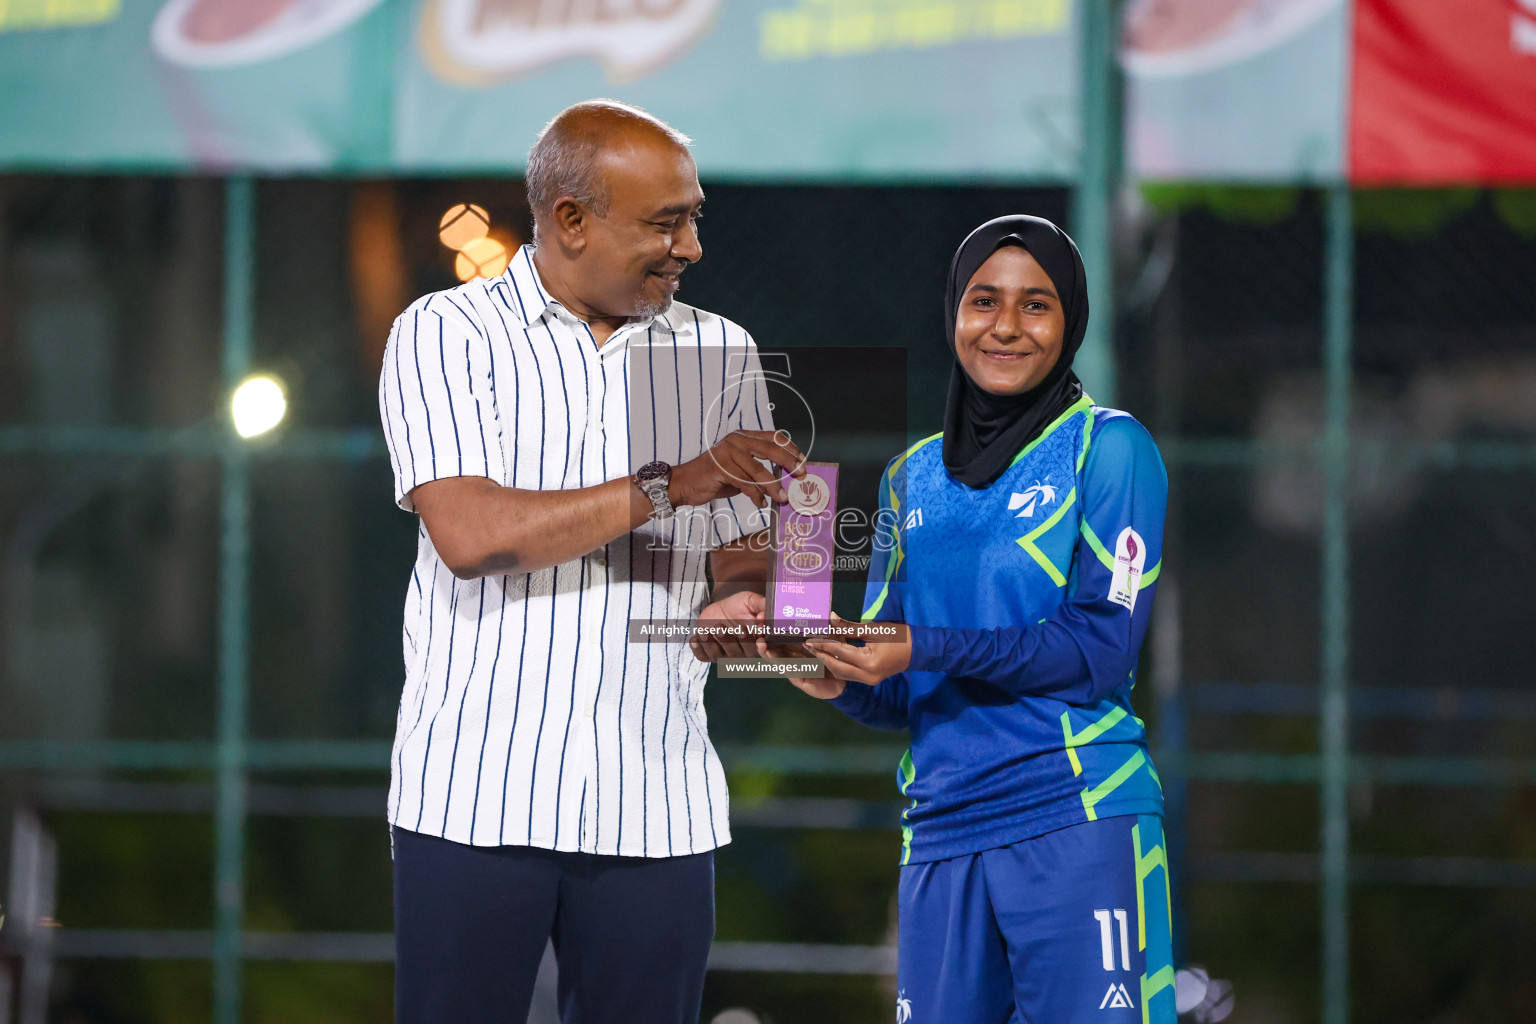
550 778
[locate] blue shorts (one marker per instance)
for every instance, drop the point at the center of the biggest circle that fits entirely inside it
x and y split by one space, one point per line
1075 925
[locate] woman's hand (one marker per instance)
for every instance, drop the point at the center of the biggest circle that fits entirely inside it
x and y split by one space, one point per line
878 659
822 688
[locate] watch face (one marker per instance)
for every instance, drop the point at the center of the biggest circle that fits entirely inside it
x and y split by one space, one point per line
652 471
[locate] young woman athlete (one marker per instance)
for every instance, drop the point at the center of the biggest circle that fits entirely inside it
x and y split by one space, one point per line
1021 550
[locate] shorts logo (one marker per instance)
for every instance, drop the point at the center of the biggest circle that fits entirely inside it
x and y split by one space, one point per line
903 1007
1130 557
1117 998
1030 497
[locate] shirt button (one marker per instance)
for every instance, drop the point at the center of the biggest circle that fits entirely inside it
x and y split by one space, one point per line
602 563
589 711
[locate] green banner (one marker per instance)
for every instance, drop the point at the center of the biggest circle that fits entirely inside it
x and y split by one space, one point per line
780 88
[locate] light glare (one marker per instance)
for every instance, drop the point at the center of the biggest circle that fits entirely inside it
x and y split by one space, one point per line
462 224
484 257
258 405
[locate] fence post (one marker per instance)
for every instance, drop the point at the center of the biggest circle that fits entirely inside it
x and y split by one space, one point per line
1333 724
234 611
33 897
1098 174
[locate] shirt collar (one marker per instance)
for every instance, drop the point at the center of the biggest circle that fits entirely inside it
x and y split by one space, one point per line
532 301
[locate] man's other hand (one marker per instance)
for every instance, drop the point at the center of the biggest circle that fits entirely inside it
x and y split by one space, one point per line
741 609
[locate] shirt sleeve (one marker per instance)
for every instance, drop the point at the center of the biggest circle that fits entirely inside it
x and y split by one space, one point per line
738 516
435 399
1088 649
884 705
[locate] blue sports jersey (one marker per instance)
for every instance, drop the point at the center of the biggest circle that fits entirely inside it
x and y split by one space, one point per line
1028 601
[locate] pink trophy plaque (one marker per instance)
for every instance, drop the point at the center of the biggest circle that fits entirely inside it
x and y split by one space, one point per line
800 570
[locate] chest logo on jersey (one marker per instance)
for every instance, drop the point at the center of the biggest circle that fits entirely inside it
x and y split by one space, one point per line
1037 496
914 518
1130 559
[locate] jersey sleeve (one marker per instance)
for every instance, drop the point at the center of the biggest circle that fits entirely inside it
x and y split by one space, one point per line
1088 648
435 399
738 516
884 705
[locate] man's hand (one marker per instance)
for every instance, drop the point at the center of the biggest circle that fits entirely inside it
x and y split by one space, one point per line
739 609
878 659
731 468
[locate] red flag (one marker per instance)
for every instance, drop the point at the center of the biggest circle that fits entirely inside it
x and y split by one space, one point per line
1444 91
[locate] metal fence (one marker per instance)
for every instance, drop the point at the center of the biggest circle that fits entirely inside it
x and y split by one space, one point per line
1300 270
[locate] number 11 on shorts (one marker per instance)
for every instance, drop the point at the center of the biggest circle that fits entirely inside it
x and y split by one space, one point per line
1107 938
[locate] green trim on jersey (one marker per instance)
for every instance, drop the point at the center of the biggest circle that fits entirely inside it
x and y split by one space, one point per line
1105 558
1092 797
890 471
1027 542
1090 733
908 774
1162 978
1072 410
1088 422
895 502
890 574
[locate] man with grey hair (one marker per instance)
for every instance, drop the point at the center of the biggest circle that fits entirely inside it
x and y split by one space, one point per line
552 779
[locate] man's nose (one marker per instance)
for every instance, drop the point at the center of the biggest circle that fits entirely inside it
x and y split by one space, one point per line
685 243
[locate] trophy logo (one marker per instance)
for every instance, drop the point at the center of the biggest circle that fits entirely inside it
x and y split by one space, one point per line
808 495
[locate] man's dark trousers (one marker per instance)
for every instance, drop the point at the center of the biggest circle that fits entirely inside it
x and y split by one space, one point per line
631 934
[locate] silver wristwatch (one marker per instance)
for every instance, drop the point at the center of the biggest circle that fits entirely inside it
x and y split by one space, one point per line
652 479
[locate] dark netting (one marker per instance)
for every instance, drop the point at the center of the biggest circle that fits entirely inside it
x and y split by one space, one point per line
110 316
1220 341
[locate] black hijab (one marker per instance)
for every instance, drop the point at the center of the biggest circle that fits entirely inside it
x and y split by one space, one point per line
982 431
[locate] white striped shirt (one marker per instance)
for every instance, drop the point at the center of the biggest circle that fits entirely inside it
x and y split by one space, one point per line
527 717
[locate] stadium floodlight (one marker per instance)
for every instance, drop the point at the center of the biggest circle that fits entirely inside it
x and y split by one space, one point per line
258 405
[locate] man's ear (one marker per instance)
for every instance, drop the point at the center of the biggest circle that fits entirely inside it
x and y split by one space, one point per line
568 222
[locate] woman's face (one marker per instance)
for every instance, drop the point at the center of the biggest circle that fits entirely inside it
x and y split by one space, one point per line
1010 325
